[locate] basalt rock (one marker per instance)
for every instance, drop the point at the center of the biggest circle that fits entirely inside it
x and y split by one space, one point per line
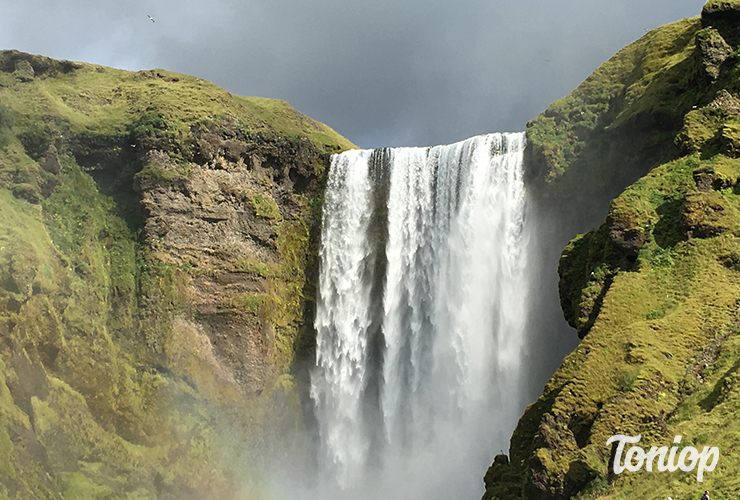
158 244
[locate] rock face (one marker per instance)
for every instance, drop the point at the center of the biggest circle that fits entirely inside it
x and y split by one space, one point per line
233 215
157 244
723 15
713 51
653 291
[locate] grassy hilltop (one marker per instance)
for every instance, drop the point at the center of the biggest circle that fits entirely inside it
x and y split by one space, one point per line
157 244
654 292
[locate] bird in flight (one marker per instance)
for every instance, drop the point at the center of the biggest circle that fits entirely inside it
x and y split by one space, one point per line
150 18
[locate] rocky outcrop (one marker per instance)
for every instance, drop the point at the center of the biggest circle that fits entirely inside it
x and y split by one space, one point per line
713 52
724 16
157 245
653 290
25 67
224 215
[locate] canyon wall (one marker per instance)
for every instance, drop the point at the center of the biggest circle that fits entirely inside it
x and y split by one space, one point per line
158 242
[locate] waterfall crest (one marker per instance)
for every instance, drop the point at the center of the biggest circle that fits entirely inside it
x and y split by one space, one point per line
421 316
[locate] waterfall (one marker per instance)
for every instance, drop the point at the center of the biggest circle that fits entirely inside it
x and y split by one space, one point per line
421 317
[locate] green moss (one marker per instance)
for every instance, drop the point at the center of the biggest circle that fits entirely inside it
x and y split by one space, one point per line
75 485
264 206
584 278
719 5
6 450
126 395
700 132
730 141
105 101
154 173
98 244
287 307
163 290
630 107
628 378
675 302
251 303
254 266
6 124
68 286
654 290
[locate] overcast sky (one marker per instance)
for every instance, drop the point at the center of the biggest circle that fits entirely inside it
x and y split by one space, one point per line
380 72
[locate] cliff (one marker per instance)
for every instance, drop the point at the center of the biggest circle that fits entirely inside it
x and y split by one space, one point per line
653 292
157 249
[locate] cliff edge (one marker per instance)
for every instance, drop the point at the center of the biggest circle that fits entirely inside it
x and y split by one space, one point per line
158 239
653 292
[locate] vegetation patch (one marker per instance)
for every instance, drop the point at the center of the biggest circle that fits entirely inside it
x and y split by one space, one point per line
653 291
251 303
264 206
254 266
108 389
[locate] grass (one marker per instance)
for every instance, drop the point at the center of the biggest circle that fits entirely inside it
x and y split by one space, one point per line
655 327
251 303
695 293
102 354
632 104
653 292
631 374
264 206
103 101
255 266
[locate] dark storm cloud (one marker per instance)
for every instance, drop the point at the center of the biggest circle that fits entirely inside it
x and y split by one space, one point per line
381 72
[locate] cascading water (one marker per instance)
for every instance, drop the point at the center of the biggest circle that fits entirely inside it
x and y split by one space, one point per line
421 317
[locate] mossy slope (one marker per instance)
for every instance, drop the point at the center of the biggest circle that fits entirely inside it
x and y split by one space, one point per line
654 291
112 383
622 120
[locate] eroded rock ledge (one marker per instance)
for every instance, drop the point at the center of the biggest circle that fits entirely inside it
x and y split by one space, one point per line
158 237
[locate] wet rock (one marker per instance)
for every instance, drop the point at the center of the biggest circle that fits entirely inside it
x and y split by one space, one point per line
704 178
215 214
626 236
726 102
